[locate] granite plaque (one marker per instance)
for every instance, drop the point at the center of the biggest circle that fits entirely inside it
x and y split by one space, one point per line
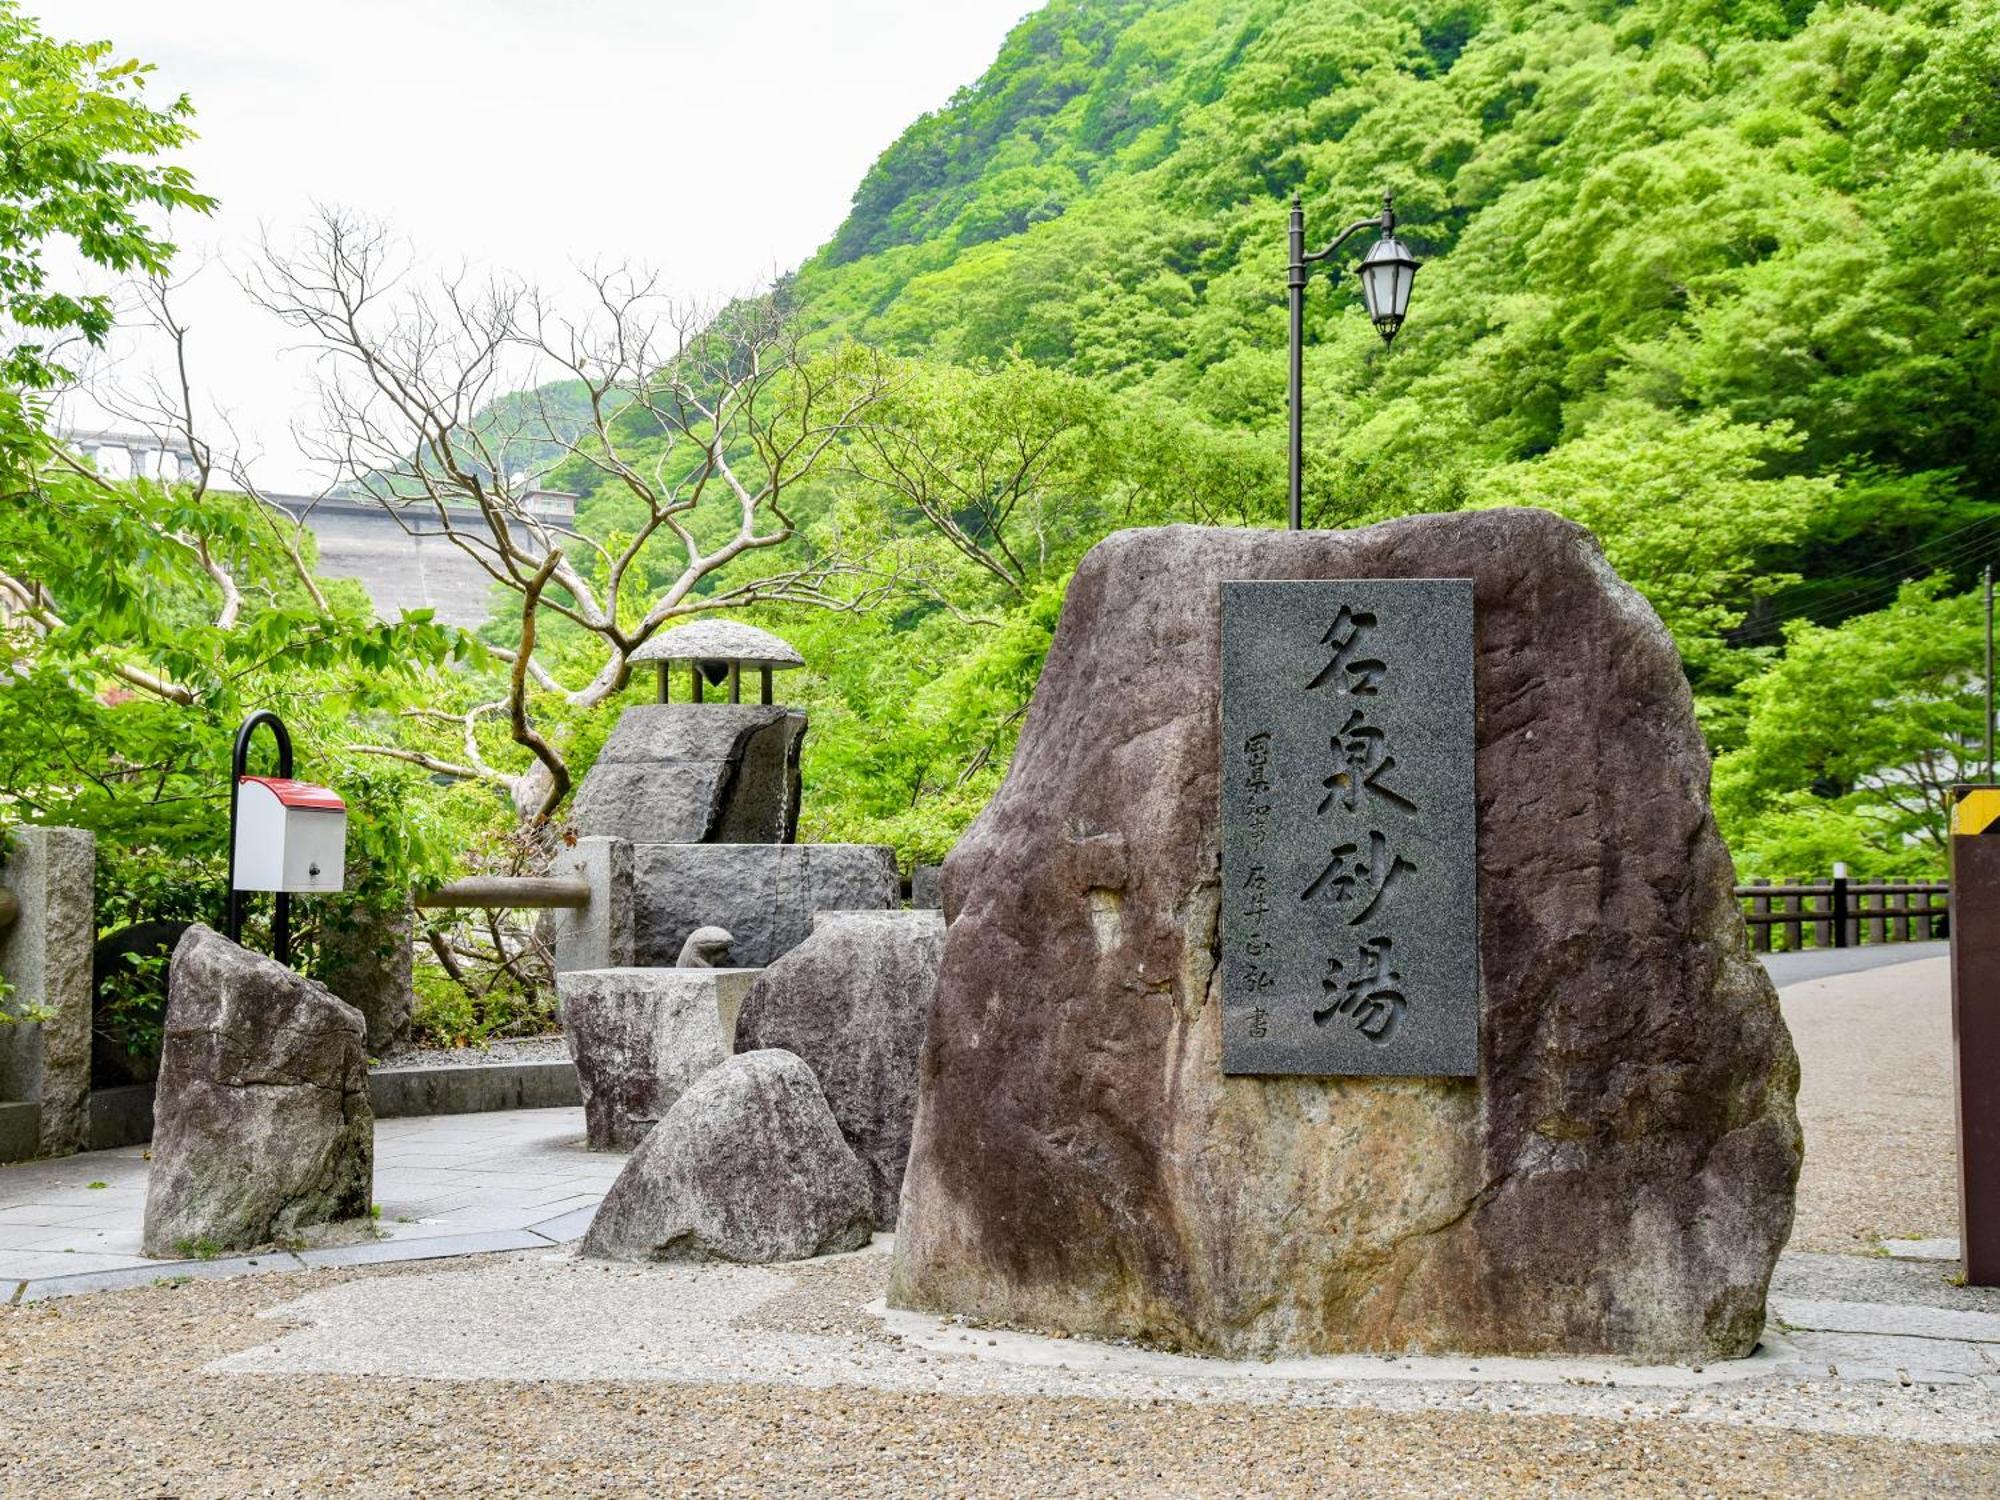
1350 922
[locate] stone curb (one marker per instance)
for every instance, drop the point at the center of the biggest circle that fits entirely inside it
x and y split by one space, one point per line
472 1089
545 1234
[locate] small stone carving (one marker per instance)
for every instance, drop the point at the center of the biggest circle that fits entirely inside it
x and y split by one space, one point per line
748 1166
261 1123
706 948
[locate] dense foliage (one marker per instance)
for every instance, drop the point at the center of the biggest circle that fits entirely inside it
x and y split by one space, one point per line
140 622
1717 279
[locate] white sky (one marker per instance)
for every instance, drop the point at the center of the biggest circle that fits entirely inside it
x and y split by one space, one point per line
716 141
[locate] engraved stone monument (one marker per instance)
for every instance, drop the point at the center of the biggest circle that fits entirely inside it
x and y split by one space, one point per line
1573 1135
1349 917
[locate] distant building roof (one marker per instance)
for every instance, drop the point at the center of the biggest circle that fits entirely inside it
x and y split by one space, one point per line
720 640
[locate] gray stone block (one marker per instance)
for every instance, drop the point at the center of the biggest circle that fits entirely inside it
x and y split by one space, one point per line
121 1116
45 956
926 888
641 1037
472 1089
764 894
599 936
688 773
20 1131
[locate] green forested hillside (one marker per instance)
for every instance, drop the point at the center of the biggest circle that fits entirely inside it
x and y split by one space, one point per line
1717 279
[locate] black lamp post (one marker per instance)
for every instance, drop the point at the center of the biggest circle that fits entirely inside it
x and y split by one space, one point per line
1386 272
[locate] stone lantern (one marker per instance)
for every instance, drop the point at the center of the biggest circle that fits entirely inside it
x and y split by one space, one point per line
716 653
710 769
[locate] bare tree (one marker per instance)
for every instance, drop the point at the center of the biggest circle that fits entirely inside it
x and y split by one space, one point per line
706 420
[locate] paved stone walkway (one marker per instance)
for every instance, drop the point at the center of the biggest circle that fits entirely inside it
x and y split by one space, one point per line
1823 963
445 1185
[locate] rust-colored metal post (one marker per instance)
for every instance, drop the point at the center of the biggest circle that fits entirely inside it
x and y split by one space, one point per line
1975 1029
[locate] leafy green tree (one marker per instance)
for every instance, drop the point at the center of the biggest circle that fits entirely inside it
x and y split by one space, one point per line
1854 738
78 139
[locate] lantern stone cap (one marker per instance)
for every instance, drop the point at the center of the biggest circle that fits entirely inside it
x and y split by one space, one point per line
720 640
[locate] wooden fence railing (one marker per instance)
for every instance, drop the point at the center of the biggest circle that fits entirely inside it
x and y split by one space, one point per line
1843 913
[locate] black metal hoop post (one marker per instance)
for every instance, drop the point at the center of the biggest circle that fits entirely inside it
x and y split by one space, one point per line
239 761
1295 288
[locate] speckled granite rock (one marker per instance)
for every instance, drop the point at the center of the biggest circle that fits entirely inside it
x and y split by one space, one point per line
1619 1177
45 956
640 1037
851 1000
261 1125
747 1166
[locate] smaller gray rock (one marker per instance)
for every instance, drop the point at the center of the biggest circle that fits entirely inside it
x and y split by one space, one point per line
926 889
705 948
851 1000
748 1166
261 1124
640 1037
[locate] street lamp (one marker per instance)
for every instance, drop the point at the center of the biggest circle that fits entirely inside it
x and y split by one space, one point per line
1387 272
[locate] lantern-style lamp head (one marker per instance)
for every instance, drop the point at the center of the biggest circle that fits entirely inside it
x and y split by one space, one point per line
1387 272
715 653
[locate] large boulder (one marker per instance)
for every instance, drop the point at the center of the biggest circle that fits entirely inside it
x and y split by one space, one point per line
692 773
640 1037
747 1166
851 1001
261 1125
1617 1180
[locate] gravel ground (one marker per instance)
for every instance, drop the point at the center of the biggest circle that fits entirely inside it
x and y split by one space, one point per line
506 1050
181 1429
1876 1103
541 1375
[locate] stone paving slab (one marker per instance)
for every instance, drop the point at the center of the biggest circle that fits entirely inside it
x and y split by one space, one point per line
444 1185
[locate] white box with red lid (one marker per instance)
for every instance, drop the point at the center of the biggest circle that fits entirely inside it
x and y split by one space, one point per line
290 836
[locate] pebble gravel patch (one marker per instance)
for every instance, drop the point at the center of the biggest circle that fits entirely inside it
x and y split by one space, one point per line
186 1429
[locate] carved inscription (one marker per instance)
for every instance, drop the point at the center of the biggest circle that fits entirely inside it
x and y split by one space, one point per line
1350 921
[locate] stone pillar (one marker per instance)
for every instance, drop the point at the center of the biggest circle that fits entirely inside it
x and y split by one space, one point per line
599 936
45 957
